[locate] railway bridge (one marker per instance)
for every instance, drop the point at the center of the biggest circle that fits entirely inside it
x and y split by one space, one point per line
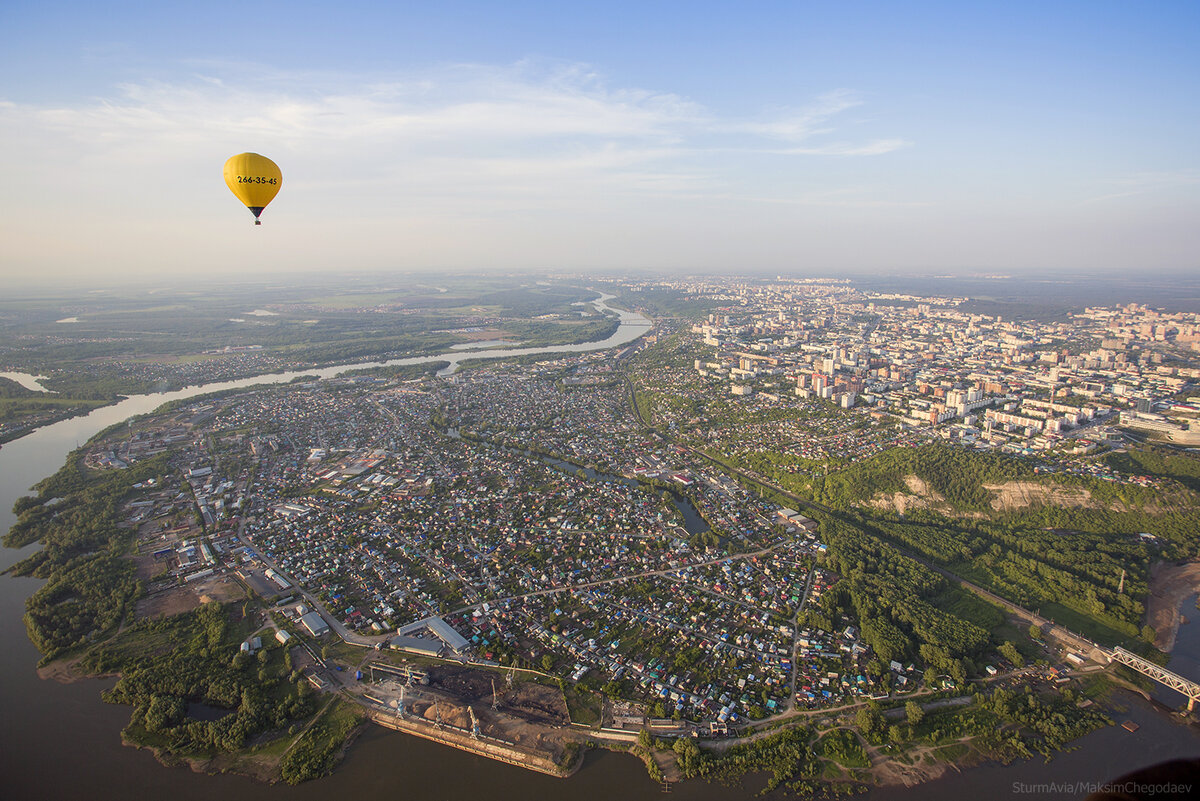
1091 650
1187 687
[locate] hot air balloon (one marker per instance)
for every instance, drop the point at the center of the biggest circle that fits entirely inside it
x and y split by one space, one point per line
254 180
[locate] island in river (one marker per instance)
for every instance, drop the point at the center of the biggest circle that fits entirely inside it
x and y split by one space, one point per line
222 673
345 479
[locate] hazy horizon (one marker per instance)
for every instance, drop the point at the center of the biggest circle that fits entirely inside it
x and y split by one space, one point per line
1171 291
788 137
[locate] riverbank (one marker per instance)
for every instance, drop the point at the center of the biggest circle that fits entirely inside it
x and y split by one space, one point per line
627 327
67 671
397 772
488 747
1099 756
15 430
1170 584
917 765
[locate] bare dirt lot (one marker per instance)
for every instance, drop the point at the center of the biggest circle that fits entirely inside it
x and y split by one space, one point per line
176 600
165 603
537 703
301 660
500 725
463 683
148 567
527 700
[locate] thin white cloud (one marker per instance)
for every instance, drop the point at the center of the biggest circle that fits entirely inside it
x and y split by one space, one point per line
848 198
803 124
461 164
1147 182
468 110
815 122
876 147
460 103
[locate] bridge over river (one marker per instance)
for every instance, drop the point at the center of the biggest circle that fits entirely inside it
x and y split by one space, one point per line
1061 634
1187 687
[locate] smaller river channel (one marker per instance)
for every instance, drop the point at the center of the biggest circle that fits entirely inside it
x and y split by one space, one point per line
30 382
1097 757
59 741
693 523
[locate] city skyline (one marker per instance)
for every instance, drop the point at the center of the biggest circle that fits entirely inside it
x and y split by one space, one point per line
799 137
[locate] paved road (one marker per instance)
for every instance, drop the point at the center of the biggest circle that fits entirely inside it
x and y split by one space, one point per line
791 704
615 579
346 634
1049 628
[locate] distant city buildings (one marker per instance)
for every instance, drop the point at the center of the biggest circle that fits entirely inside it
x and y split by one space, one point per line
924 363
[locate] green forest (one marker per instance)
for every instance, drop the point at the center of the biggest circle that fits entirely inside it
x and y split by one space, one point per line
89 587
141 341
897 601
956 474
1088 564
168 665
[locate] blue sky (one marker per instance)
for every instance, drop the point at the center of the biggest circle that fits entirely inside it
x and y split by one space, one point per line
815 137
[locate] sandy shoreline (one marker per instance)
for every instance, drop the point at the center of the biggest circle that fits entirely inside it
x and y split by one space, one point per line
1169 585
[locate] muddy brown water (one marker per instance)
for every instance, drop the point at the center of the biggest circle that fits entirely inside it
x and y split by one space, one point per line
60 741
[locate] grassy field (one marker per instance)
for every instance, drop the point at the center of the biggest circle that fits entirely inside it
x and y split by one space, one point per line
1089 627
319 748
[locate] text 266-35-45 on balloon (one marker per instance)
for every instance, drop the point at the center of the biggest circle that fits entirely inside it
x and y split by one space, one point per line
254 180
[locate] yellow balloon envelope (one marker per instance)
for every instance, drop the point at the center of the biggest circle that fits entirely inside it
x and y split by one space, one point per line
254 180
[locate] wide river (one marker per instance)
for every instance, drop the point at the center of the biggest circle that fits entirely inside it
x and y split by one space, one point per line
60 741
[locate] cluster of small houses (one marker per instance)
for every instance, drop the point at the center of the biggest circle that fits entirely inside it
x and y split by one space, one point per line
489 536
310 413
299 541
592 626
523 408
742 598
581 531
816 434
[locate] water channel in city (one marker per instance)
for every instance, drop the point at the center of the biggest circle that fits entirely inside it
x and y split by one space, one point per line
693 523
61 741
